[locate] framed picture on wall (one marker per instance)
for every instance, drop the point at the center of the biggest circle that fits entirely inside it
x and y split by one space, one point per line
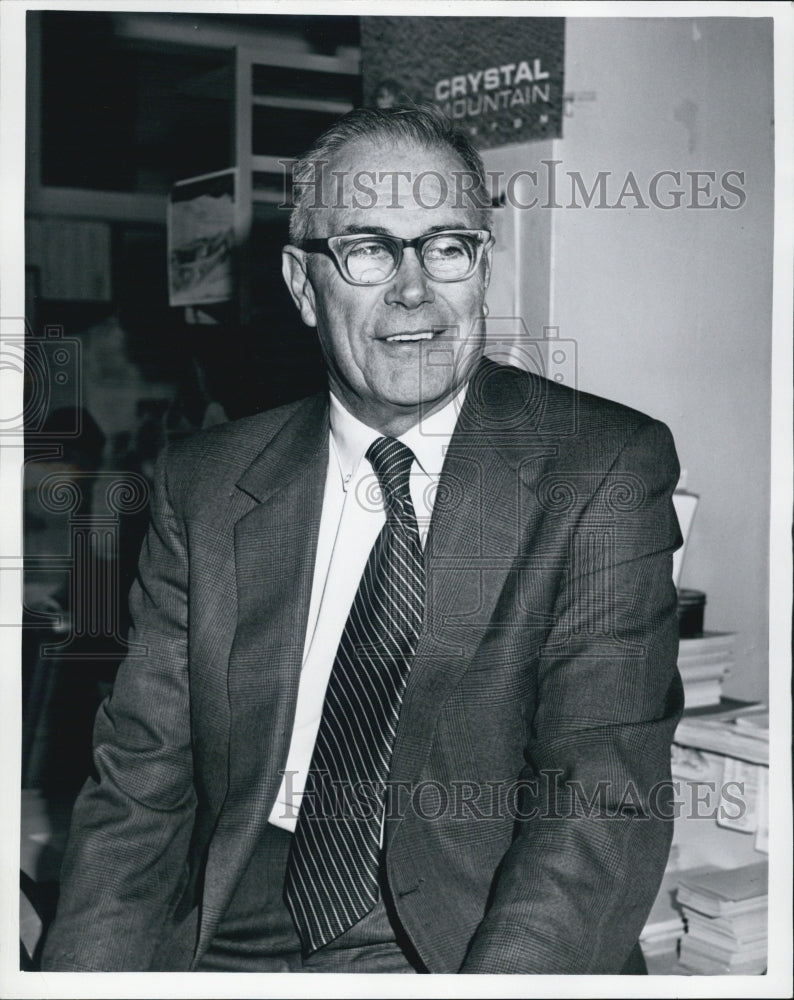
201 239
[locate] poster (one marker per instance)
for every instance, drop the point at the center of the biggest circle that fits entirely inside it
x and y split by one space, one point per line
500 78
201 227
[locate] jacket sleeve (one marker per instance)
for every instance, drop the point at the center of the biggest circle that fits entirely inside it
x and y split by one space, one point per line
576 886
126 861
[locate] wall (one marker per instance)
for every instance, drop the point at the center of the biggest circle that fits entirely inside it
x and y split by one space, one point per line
670 309
522 247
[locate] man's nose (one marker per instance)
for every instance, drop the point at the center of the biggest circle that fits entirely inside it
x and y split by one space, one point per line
410 286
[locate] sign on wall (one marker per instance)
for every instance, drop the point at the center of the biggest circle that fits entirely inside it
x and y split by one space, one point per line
500 78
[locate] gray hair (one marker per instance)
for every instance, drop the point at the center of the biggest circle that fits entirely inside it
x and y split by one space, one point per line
424 125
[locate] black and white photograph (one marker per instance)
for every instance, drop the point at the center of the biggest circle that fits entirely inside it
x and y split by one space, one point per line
396 462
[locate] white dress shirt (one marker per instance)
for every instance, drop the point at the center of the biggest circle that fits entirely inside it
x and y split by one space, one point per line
352 517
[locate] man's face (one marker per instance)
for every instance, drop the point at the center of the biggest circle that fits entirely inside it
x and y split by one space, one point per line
389 383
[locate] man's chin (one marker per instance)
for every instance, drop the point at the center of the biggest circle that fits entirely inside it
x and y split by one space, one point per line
428 398
432 386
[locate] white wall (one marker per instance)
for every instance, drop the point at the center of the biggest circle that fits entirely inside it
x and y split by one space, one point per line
671 310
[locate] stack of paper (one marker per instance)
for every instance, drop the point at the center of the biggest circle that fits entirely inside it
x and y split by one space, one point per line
703 664
738 732
726 916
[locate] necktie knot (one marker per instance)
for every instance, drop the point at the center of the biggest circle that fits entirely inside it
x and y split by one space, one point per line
392 460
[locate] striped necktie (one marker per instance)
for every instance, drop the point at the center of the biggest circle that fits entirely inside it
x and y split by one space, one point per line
332 874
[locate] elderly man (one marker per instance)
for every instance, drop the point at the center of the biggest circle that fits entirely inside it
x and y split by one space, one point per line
410 678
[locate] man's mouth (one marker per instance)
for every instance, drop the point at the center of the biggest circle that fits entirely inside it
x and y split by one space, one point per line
410 337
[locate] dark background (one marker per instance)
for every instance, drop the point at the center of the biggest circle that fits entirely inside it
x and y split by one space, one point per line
120 113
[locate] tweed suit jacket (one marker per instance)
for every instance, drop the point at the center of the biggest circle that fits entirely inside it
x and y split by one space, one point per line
528 823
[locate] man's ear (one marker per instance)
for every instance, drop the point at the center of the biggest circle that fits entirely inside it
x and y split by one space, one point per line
487 261
293 267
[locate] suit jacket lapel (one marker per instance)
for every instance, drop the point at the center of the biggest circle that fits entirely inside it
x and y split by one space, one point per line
275 545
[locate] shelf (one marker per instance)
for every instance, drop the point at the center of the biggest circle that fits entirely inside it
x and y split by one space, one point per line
303 104
348 64
269 164
109 206
314 90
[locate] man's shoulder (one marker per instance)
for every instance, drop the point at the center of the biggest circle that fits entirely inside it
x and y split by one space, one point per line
551 408
218 456
552 430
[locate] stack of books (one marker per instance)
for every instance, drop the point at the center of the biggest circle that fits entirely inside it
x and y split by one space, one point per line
726 916
703 663
665 925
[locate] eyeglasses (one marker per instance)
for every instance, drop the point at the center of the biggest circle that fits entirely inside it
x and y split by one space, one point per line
369 259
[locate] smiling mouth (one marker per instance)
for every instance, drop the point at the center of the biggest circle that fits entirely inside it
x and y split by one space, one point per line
409 337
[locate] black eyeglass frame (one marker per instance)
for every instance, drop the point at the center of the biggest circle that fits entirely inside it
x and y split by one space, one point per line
332 246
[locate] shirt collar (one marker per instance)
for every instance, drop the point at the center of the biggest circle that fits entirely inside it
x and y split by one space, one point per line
428 439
